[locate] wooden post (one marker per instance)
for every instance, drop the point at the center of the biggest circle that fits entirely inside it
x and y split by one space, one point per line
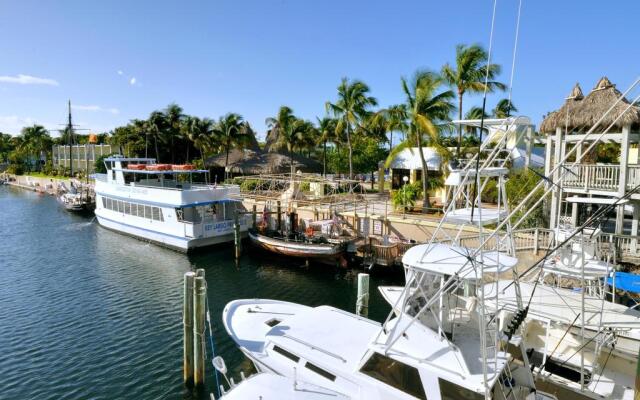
362 302
255 217
529 146
187 325
536 242
199 299
279 211
236 235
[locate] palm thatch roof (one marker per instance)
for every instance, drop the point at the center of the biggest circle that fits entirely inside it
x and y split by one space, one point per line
580 113
252 162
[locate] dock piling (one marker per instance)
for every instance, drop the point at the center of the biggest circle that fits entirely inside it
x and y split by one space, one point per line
236 235
362 301
279 211
187 324
199 309
255 217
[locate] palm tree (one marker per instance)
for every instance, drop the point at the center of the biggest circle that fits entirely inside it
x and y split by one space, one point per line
202 133
156 124
327 132
281 126
232 133
351 109
468 76
173 115
426 108
504 109
35 141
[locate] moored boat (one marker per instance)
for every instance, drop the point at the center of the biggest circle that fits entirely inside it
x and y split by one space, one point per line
298 245
165 205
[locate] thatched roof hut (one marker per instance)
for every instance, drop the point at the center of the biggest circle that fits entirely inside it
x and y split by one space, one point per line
580 113
252 162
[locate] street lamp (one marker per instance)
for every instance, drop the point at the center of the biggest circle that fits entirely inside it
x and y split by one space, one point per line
405 179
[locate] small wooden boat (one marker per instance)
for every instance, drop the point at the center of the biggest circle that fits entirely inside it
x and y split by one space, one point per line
298 245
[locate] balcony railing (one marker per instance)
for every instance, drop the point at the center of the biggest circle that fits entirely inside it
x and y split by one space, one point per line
600 177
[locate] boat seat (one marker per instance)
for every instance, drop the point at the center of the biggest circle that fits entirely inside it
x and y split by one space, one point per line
461 315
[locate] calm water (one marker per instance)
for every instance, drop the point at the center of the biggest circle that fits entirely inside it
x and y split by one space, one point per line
86 313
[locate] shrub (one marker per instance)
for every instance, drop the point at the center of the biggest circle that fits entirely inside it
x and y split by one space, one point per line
406 196
16 169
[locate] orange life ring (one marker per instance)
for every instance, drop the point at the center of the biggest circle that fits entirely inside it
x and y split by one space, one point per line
309 231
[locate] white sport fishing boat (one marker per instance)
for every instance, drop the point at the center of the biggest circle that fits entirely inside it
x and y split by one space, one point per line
162 204
264 386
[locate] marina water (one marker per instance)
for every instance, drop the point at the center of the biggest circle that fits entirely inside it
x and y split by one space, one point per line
86 313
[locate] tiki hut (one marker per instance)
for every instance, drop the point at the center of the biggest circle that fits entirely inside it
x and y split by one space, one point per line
579 113
254 162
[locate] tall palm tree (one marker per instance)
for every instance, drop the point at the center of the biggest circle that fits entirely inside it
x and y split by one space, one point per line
156 125
281 126
202 133
232 133
35 141
504 109
351 108
327 132
468 76
474 112
173 115
427 107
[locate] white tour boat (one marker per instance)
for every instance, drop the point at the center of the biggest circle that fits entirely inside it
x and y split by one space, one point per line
162 204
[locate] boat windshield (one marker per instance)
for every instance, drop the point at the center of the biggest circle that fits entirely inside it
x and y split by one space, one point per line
395 373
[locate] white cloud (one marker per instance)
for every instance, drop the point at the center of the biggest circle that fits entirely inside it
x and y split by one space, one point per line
132 81
95 108
13 124
22 79
120 72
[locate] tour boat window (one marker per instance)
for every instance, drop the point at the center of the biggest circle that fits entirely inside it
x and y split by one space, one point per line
451 391
147 212
104 202
394 373
320 371
285 353
127 208
273 322
180 214
157 214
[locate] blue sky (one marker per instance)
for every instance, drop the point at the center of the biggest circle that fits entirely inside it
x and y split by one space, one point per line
118 60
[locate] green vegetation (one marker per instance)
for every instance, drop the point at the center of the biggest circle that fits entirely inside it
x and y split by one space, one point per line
518 186
405 197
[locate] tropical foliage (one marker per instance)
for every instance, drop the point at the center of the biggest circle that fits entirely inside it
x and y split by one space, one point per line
468 74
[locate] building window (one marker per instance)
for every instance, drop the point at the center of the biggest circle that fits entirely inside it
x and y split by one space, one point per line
394 373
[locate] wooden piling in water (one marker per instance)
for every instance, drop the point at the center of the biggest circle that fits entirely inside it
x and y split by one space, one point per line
362 301
255 216
236 235
187 325
199 308
279 211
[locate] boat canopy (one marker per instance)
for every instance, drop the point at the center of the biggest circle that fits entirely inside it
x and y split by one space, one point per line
446 259
625 281
169 171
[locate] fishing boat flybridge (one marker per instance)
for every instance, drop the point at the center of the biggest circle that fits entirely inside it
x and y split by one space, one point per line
162 203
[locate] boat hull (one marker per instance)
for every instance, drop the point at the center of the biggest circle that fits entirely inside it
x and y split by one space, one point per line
180 244
297 249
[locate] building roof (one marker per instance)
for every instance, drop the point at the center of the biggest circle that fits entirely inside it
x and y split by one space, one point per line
580 113
409 158
255 162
